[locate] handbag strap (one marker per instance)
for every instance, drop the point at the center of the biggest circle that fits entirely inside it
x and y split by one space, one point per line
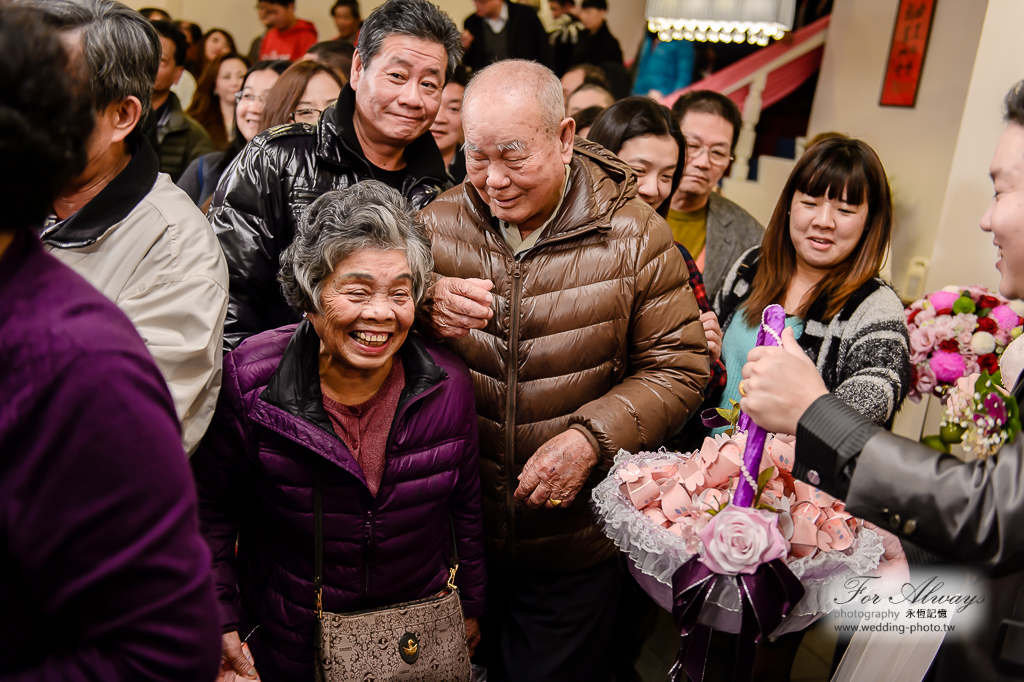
318 540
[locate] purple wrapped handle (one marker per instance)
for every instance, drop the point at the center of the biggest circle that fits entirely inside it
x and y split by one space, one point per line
774 317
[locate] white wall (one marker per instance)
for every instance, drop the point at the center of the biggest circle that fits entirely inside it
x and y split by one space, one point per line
625 17
963 254
916 145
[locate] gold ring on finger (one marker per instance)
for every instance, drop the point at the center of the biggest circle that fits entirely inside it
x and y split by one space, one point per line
741 389
555 503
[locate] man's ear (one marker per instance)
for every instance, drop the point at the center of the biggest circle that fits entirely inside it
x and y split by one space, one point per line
125 115
357 71
566 135
178 70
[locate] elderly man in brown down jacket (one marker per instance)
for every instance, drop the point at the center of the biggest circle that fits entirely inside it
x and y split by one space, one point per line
567 299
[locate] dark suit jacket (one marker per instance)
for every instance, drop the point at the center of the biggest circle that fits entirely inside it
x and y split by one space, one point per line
970 513
967 512
599 48
731 231
527 38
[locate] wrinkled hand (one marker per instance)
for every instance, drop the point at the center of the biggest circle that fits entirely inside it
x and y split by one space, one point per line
781 383
460 305
472 634
557 470
713 332
234 665
467 39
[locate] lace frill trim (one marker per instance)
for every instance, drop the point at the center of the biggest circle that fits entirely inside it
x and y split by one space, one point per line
658 553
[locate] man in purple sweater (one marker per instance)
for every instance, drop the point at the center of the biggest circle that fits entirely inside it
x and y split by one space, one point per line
103 573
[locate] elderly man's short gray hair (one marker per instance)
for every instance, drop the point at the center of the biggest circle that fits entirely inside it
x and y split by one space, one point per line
121 49
524 80
368 215
416 18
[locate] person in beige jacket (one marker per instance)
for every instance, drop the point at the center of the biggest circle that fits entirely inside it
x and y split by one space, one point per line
126 228
567 299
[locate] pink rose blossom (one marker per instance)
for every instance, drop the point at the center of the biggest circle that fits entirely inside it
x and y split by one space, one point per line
965 322
977 291
924 317
739 539
922 339
926 381
948 367
944 327
1004 317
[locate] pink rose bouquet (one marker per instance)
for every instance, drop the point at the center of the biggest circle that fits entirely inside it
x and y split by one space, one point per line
955 332
686 495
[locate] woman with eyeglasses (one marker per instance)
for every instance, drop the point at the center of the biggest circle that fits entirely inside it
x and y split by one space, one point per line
644 135
214 102
303 92
200 178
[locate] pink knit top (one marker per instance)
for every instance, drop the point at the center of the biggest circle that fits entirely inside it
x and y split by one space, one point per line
364 428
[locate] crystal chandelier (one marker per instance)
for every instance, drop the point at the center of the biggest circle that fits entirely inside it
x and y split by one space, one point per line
726 21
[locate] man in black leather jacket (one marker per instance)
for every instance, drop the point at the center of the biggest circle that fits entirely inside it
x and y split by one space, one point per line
379 129
970 513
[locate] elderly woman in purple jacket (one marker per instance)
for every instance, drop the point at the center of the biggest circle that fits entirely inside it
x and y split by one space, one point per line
388 417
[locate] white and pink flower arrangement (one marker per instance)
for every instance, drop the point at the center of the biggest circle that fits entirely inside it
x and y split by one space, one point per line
663 508
687 495
958 331
980 415
728 540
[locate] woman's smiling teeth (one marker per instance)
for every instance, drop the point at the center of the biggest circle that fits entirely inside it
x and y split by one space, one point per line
369 339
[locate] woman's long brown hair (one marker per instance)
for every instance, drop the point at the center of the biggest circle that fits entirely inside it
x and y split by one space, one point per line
205 106
839 168
288 90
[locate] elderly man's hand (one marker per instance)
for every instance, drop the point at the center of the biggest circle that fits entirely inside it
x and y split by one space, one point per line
460 305
780 384
557 470
713 332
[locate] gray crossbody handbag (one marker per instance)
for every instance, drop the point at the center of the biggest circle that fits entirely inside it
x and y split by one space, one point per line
417 641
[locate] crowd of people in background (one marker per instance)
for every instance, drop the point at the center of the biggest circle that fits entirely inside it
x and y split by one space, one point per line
420 282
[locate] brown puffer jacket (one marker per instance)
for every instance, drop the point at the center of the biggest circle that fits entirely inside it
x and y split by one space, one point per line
595 325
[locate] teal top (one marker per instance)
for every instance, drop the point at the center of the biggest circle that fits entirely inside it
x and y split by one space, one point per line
740 338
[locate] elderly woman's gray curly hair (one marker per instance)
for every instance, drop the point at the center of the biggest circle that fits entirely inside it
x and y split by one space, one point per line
368 215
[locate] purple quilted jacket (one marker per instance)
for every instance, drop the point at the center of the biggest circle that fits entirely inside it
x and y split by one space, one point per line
254 476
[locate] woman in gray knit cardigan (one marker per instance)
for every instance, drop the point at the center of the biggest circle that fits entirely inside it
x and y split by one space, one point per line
820 260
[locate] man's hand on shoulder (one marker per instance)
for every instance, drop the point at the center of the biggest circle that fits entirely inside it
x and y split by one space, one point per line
459 305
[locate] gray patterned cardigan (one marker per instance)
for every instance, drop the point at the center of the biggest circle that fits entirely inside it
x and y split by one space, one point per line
862 353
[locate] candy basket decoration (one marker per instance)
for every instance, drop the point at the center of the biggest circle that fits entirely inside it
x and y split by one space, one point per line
727 540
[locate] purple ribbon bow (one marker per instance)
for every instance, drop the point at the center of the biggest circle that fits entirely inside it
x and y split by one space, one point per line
767 596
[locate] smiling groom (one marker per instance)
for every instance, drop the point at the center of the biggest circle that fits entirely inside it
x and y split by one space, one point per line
379 129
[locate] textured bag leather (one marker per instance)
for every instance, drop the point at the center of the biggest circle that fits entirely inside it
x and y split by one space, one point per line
378 644
417 641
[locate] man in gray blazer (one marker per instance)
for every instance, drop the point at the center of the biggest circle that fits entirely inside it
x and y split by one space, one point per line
972 513
706 223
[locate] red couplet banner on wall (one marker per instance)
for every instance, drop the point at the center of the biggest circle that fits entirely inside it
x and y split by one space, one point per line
907 52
